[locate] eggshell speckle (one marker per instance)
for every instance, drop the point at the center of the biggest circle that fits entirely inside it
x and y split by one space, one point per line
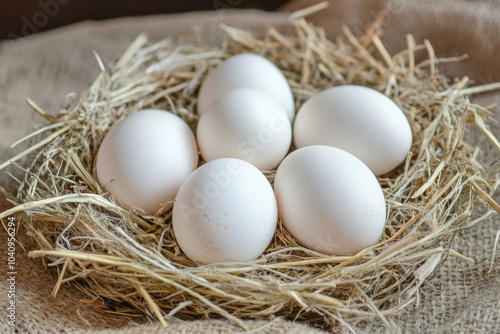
144 159
329 200
247 124
359 120
225 211
246 70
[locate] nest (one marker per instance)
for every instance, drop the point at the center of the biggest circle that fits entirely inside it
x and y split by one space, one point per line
129 263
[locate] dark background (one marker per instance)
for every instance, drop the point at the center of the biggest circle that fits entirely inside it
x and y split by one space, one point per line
20 18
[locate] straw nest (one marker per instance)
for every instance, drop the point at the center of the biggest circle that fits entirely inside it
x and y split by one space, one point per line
130 264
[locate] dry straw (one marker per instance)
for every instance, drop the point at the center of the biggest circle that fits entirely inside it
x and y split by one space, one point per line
130 264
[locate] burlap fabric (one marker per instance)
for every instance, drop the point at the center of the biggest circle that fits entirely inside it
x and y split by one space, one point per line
462 297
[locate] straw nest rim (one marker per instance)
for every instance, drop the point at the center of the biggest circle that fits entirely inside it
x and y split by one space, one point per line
129 264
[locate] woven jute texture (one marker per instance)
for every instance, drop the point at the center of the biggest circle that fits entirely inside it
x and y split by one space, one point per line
461 297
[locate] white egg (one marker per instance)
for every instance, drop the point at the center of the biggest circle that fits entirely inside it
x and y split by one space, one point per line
246 70
144 159
247 124
225 211
329 200
359 120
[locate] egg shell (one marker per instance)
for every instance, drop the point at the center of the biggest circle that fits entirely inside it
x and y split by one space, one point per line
329 200
246 70
225 211
359 120
144 159
247 124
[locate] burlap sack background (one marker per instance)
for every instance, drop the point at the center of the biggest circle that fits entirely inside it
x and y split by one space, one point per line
462 297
